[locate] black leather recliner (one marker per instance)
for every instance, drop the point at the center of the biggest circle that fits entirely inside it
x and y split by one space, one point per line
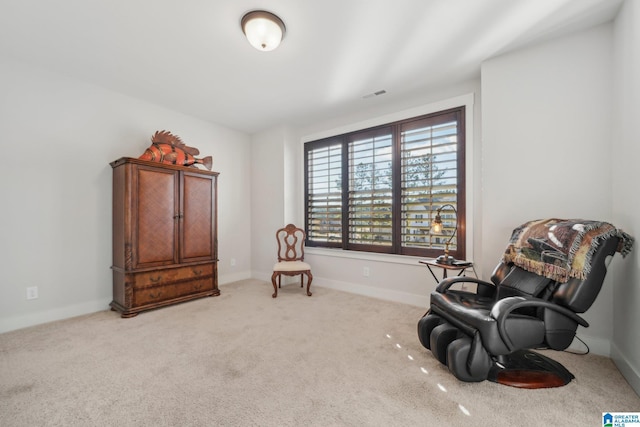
488 334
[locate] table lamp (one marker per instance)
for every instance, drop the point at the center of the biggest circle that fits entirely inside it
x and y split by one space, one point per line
437 228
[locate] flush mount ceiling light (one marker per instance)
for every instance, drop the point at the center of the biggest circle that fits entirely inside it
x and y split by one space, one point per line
263 29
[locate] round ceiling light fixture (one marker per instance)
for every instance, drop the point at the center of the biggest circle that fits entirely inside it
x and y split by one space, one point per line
263 29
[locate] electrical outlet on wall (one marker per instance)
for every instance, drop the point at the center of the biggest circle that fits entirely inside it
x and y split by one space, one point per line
365 271
233 262
32 292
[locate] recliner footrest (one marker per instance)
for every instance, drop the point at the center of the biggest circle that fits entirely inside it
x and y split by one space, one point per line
425 325
440 338
467 360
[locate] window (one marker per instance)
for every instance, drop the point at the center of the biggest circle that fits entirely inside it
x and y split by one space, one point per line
378 189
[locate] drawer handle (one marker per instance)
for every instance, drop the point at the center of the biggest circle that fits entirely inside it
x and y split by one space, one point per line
155 296
155 279
197 287
197 272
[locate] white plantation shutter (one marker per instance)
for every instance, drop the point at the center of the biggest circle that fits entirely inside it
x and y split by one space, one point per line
324 194
370 188
429 180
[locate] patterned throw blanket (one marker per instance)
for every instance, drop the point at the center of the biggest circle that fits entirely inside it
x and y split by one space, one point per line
561 248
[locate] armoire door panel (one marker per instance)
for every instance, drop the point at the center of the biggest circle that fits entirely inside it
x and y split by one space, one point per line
156 217
197 217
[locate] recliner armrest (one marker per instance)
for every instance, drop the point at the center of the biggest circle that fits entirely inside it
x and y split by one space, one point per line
445 284
504 307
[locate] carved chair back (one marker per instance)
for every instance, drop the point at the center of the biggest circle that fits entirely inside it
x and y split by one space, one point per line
290 243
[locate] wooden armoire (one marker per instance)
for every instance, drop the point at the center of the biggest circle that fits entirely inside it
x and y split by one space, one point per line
165 247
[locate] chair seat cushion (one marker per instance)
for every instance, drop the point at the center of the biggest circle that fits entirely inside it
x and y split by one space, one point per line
465 310
291 266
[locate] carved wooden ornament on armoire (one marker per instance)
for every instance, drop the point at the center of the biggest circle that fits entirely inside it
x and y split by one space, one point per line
165 246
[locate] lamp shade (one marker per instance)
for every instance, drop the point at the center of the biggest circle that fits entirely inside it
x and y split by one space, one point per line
264 30
437 227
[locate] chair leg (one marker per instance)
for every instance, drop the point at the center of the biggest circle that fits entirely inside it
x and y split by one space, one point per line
273 282
309 279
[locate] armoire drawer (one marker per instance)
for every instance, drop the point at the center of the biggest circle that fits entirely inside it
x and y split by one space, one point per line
170 275
172 291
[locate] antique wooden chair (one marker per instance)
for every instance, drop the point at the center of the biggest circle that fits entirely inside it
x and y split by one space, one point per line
290 257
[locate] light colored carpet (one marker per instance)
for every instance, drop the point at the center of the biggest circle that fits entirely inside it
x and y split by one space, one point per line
245 359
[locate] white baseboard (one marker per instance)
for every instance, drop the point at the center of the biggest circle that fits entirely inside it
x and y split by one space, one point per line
354 288
599 346
379 293
32 319
225 279
261 275
626 368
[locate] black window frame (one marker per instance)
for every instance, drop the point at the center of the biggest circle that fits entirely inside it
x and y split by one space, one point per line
397 245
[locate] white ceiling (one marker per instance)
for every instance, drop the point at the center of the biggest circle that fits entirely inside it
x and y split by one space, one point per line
191 55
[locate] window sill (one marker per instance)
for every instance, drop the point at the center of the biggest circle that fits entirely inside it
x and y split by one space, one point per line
369 256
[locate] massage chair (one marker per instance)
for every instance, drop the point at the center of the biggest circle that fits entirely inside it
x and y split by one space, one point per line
489 334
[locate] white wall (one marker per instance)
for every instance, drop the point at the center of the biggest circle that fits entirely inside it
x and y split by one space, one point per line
625 349
58 137
547 146
267 198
